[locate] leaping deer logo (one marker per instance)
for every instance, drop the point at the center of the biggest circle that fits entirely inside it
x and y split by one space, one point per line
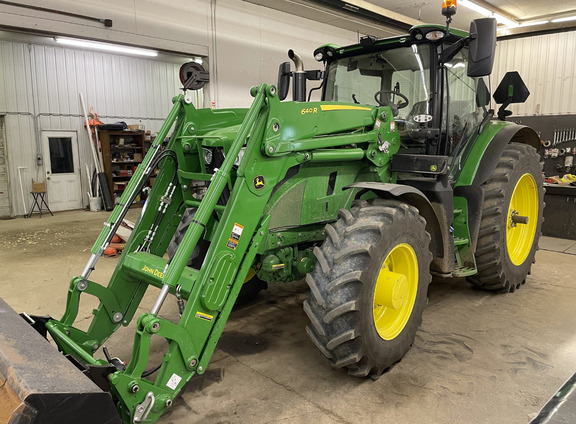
259 182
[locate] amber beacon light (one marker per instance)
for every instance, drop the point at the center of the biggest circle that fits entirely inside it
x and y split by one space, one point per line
449 7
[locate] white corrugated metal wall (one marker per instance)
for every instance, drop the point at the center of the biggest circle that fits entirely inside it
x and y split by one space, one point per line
40 88
547 64
4 190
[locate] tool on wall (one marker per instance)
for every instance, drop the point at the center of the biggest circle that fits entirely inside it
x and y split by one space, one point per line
94 122
106 196
568 163
563 136
559 151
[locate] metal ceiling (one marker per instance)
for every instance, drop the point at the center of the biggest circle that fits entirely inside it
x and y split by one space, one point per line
384 18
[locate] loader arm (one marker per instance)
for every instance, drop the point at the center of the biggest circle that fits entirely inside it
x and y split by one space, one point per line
262 209
210 292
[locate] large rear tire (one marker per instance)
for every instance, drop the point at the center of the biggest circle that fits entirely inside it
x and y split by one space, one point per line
369 286
511 220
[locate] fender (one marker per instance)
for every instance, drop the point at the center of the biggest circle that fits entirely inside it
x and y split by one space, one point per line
440 245
508 134
483 159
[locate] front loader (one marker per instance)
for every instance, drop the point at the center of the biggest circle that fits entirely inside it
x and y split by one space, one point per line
398 173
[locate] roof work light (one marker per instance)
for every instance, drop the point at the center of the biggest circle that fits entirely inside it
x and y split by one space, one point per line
449 8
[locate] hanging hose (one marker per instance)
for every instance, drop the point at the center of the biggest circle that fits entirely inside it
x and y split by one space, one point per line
151 371
165 201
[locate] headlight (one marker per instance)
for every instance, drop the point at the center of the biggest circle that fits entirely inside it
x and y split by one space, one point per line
207 153
435 35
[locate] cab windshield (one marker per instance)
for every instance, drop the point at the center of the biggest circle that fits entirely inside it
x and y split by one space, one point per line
399 78
402 79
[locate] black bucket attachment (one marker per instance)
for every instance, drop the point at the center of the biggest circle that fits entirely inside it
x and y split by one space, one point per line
38 385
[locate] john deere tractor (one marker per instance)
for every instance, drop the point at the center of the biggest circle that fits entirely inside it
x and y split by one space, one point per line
398 173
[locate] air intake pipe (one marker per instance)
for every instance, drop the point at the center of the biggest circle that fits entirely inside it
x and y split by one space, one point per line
299 75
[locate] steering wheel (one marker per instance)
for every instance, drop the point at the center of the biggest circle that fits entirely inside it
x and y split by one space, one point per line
379 100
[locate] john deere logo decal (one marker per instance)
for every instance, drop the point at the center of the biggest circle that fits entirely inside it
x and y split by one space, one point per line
259 182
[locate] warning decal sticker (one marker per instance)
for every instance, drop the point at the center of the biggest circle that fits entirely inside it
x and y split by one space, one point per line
235 236
237 231
204 316
174 381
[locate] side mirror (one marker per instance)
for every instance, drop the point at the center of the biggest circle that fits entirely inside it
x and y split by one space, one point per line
482 46
283 80
510 90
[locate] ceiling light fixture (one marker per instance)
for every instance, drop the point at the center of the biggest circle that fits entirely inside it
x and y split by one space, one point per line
488 13
565 19
475 7
106 47
525 24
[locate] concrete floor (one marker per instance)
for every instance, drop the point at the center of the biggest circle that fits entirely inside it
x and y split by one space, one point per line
477 358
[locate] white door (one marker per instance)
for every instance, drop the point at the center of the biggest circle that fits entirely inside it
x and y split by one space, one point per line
61 164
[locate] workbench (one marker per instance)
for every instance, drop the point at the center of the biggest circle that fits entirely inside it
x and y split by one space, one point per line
560 211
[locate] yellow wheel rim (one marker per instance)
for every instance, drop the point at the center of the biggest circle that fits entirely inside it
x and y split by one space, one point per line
250 275
522 219
395 291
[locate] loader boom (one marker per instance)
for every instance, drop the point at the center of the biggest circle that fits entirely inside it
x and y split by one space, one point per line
240 233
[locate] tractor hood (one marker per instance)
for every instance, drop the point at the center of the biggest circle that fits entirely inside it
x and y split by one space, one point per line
221 136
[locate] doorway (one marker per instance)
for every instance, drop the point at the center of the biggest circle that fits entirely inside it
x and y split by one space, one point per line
62 170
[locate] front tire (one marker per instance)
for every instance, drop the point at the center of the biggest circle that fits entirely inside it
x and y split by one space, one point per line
252 285
369 286
199 253
507 244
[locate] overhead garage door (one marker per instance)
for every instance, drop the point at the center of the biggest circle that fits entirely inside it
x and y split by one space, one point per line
4 198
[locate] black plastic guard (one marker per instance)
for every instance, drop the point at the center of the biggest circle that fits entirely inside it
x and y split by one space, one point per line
41 385
422 164
561 408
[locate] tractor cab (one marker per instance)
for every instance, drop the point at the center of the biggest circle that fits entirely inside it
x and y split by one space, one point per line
434 79
435 102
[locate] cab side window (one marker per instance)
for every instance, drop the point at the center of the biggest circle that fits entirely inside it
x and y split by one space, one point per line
462 109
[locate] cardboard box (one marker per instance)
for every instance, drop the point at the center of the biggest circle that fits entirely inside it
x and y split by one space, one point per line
137 157
38 187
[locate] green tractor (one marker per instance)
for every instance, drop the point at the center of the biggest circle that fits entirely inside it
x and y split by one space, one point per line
400 172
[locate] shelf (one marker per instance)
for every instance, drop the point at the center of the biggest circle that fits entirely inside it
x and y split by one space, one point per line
133 147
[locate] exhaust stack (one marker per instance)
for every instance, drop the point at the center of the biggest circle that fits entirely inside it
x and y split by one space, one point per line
299 90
